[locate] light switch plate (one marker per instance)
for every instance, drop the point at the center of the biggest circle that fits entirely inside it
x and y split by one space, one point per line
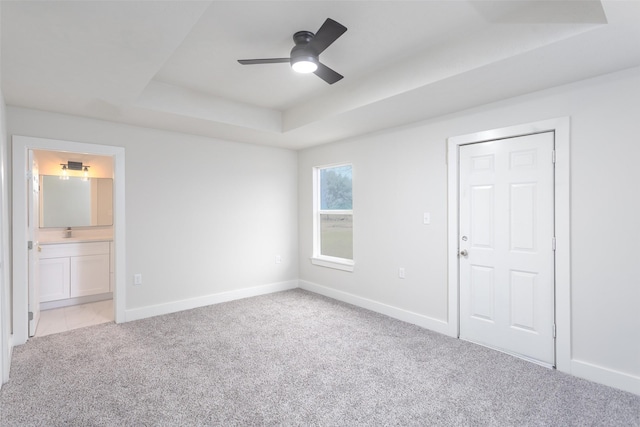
426 219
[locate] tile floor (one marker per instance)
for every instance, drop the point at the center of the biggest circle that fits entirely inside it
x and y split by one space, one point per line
74 317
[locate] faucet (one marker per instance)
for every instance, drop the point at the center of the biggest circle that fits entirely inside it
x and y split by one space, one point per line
67 232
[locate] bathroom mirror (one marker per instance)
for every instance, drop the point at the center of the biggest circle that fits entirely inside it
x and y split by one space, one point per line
75 202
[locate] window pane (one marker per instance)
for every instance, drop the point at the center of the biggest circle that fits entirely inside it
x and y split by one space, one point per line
336 236
335 188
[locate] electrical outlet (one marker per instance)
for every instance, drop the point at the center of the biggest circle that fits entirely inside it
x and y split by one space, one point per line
278 259
137 279
401 272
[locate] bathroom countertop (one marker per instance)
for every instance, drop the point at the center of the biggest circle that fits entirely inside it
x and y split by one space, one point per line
63 240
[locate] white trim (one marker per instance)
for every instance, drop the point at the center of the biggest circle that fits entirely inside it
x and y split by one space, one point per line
331 262
188 304
21 146
610 377
561 127
335 212
315 250
421 320
9 355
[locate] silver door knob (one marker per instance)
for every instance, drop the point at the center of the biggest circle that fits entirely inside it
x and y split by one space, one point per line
464 252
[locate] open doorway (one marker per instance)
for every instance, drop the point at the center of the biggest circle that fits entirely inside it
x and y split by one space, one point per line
74 241
100 256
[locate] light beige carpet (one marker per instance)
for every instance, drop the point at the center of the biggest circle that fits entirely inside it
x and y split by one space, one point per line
291 358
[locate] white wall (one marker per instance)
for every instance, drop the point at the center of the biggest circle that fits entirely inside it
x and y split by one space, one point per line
401 173
5 249
204 217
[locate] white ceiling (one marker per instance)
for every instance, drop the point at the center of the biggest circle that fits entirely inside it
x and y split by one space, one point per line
172 64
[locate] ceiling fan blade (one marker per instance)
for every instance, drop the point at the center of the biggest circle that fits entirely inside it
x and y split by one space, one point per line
263 61
327 74
327 34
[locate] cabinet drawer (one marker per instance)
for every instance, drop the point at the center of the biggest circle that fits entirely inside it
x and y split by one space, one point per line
74 249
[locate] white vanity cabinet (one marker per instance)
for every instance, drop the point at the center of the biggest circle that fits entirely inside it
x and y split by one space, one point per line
72 270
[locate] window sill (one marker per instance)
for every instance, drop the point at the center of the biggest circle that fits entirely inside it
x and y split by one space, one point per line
336 263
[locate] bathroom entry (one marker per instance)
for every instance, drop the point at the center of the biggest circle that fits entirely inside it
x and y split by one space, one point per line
94 252
75 242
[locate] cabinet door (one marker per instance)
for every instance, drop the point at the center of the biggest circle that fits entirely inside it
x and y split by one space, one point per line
54 279
89 275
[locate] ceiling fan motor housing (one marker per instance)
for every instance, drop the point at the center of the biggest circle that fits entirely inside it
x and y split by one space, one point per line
301 51
308 47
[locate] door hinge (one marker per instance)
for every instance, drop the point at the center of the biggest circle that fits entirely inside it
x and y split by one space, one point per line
554 330
553 156
553 243
30 315
30 245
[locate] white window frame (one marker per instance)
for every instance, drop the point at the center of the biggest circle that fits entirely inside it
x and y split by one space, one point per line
317 257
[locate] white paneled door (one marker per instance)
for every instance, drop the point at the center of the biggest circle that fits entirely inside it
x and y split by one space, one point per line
506 232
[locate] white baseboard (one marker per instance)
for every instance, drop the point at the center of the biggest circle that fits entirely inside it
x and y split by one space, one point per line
397 313
188 304
606 376
6 362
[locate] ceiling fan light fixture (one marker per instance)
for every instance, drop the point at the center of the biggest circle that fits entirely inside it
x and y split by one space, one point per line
304 65
308 47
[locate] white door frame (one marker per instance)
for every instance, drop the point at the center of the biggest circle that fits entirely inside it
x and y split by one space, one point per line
561 129
21 146
33 232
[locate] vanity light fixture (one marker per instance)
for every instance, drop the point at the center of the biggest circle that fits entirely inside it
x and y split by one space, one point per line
64 175
74 166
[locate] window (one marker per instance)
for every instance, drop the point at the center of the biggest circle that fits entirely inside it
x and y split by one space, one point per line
333 217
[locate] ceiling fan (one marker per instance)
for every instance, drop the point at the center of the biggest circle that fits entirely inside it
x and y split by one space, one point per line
309 46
